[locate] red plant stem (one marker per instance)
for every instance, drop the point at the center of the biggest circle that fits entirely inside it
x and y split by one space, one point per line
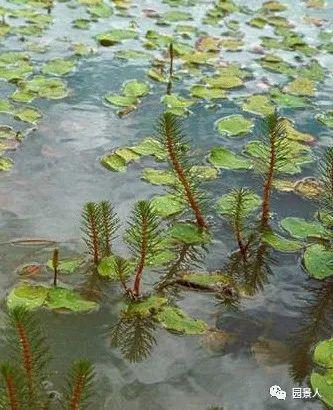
27 357
143 254
182 177
77 392
94 238
268 187
169 87
11 392
240 243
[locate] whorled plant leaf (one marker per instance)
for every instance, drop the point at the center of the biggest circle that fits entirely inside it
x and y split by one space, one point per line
221 157
107 268
234 125
318 261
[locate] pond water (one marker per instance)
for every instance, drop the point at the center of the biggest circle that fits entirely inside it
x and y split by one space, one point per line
56 169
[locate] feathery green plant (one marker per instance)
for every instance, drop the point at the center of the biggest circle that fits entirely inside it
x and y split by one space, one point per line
326 180
273 158
99 223
171 136
122 269
171 55
10 396
79 388
144 236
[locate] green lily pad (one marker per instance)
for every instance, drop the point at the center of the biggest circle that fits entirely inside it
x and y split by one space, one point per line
176 15
279 243
67 265
207 93
176 104
159 177
326 118
150 146
82 24
167 205
199 58
301 86
188 233
234 125
52 88
318 261
100 10
107 268
28 115
323 354
121 100
206 279
156 75
323 383
147 306
224 82
315 4
114 162
258 104
294 134
58 66
82 50
5 163
176 320
258 22
132 55
287 100
221 157
67 299
135 88
161 258
28 296
226 204
128 154
115 36
301 229
6 107
231 44
204 172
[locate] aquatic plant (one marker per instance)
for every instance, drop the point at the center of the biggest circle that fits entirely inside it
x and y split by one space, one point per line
176 145
326 180
171 55
55 265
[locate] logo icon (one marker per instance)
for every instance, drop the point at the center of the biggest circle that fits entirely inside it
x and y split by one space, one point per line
276 391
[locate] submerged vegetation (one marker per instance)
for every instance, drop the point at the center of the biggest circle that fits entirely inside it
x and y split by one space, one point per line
226 208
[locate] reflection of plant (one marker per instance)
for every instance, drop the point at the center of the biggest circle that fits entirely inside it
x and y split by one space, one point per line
24 376
55 265
176 145
326 179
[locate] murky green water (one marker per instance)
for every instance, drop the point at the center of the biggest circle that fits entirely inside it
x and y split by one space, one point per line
57 169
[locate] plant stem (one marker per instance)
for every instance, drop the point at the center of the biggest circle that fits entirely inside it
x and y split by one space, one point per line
27 358
267 187
11 392
77 392
55 264
169 87
143 254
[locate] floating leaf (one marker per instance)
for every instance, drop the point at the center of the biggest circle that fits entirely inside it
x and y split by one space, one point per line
115 36
167 205
67 265
279 243
146 307
121 100
114 162
226 203
323 354
135 88
28 296
301 229
159 177
107 268
176 104
206 279
150 146
258 104
318 261
67 299
176 15
132 55
234 125
287 100
207 93
301 86
221 157
273 6
28 115
58 66
326 118
203 172
5 163
188 233
6 107
176 320
157 75
293 134
52 88
224 82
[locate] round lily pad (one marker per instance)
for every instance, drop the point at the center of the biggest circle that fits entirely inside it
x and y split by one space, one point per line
150 146
204 172
5 163
279 243
167 205
301 229
58 66
107 268
27 295
323 384
135 88
114 162
224 82
207 93
221 157
121 100
188 233
115 36
67 299
28 115
147 306
323 354
159 177
326 118
226 204
301 86
258 104
206 279
234 125
67 265
176 320
318 261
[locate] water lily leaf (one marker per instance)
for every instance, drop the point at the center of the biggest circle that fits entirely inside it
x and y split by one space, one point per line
323 354
82 50
28 296
301 86
258 22
128 154
121 100
176 320
318 261
6 107
28 115
224 82
167 205
24 96
313 71
234 125
161 258
58 66
157 75
207 93
206 279
100 10
52 88
67 299
226 204
326 118
323 383
231 44
132 55
67 265
107 268
279 243
294 134
176 15
188 233
308 187
7 133
114 162
221 157
287 100
301 229
146 307
273 6
5 163
135 88
199 57
258 104
159 177
150 146
204 172
115 36
315 4
82 24
176 104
